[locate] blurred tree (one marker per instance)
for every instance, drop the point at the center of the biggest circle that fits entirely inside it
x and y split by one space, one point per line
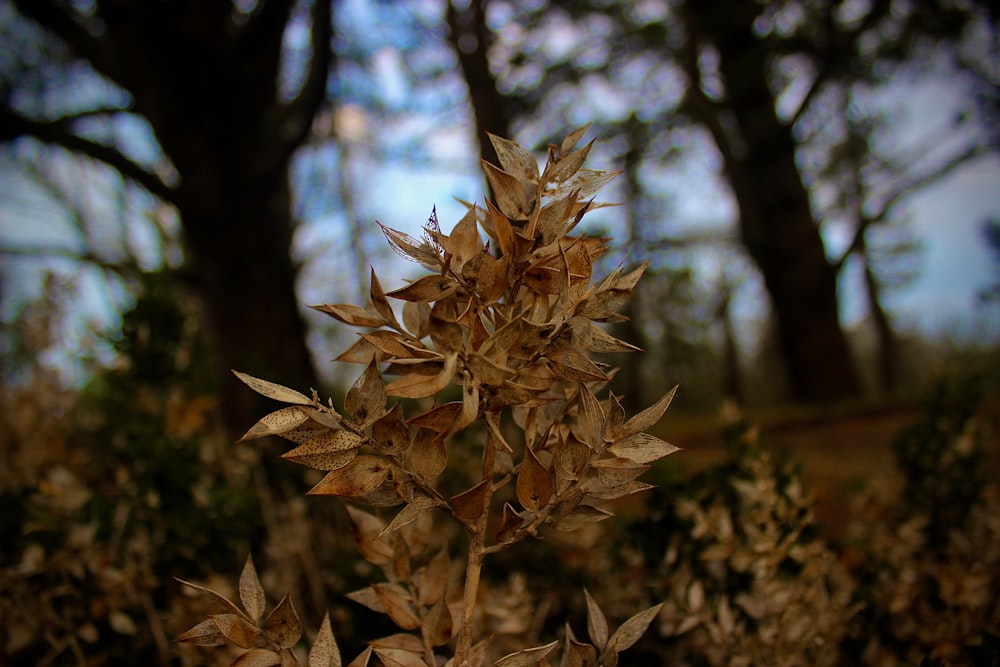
213 81
991 234
761 80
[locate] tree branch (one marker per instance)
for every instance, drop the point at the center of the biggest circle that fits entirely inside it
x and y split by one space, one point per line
299 113
14 125
60 21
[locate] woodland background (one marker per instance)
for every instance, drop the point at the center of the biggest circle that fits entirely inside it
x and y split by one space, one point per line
180 178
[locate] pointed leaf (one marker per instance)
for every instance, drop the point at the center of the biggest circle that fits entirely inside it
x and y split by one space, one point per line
394 657
363 658
380 303
350 314
279 421
328 450
579 517
236 629
283 625
643 448
390 433
409 514
215 597
356 479
514 158
410 248
603 342
365 400
529 656
251 592
432 579
510 192
416 318
428 455
632 629
438 625
426 289
324 651
257 657
396 603
205 633
534 483
597 624
471 503
422 386
272 390
648 417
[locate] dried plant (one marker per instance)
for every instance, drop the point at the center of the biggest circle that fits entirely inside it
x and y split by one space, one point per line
493 354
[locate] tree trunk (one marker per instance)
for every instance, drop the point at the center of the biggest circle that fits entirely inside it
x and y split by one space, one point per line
207 83
776 222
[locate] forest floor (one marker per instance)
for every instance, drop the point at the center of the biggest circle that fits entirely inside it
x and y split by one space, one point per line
838 448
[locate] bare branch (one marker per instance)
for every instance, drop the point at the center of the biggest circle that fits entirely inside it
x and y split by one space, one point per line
14 125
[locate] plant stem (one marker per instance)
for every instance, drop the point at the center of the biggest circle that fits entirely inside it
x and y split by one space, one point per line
477 552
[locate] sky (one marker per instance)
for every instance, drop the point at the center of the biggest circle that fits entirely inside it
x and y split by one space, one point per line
944 217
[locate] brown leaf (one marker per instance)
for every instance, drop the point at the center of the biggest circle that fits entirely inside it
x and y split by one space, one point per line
426 289
257 657
632 629
277 422
350 314
400 640
409 514
603 342
365 400
359 477
416 318
552 219
410 248
328 450
618 471
470 402
643 448
390 433
648 417
573 365
362 352
390 343
440 418
534 483
271 390
282 625
597 624
394 657
504 232
215 597
432 579
585 181
603 306
510 521
514 158
572 139
205 633
580 516
568 163
471 503
236 629
486 371
367 530
612 426
526 657
368 598
324 651
590 418
363 658
463 243
380 303
396 603
428 455
421 386
251 592
512 192
571 459
438 626
603 492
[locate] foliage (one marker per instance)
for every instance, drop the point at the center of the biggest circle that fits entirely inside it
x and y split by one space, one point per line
514 331
928 544
736 555
105 489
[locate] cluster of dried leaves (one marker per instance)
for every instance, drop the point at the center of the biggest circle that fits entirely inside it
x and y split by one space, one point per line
750 582
511 325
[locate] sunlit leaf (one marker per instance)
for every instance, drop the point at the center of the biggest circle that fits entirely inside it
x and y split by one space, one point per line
359 477
410 248
529 656
279 421
426 289
365 400
257 657
643 448
421 386
514 158
272 390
